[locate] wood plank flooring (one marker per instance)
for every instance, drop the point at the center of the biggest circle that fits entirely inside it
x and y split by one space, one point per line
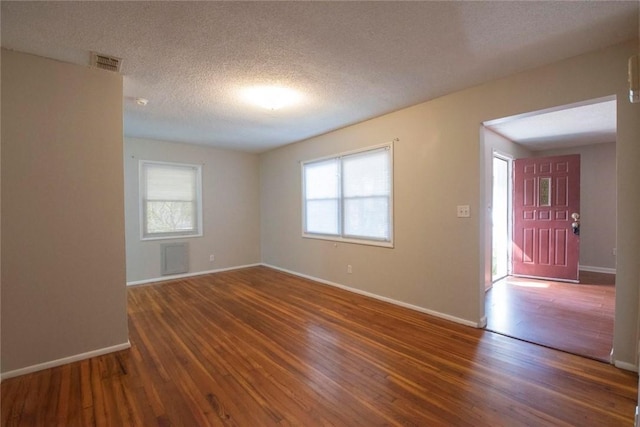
577 318
256 347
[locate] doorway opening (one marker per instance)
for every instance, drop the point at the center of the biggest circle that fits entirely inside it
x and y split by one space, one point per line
501 218
573 317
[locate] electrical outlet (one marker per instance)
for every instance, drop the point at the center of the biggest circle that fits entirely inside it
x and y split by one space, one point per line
212 258
614 251
464 211
349 269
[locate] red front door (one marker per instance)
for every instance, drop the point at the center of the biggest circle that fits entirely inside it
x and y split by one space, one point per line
546 192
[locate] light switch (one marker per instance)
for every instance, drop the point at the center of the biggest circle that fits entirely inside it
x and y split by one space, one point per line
463 211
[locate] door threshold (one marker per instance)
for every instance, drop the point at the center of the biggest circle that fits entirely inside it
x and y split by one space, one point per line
548 279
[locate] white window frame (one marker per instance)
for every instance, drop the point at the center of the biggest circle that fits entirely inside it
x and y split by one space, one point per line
142 202
341 237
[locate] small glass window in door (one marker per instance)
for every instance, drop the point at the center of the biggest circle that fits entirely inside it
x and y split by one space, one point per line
544 192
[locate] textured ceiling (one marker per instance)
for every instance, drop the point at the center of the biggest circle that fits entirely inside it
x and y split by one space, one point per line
351 61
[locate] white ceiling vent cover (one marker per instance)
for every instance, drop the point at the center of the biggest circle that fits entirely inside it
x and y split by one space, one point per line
106 62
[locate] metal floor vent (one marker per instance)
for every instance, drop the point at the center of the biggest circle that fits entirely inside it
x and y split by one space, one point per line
175 258
106 62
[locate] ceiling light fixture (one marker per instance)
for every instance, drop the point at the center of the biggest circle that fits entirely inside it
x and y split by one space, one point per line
271 97
142 101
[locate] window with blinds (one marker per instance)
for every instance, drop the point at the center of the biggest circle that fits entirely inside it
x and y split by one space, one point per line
349 197
170 200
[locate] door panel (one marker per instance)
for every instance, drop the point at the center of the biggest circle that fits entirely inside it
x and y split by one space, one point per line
546 192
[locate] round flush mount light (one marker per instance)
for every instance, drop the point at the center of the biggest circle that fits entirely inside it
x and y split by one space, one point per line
142 101
270 97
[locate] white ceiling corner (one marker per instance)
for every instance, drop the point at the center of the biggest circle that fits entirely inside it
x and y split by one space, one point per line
565 126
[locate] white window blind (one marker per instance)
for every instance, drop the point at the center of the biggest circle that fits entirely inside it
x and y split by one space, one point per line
170 200
349 197
322 201
366 183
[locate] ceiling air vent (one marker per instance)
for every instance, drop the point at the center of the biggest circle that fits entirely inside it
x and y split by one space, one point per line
106 62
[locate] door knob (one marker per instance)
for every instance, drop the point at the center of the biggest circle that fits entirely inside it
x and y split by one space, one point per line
575 225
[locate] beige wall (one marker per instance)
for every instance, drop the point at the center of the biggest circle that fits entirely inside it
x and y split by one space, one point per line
231 209
597 203
0 221
438 260
63 253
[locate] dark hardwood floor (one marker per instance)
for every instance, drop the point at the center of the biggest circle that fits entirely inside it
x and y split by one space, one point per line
257 347
577 318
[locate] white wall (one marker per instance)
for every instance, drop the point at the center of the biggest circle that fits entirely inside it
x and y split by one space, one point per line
438 260
63 252
597 203
494 142
490 143
231 209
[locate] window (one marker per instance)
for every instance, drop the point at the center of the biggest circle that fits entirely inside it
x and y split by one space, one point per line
349 197
170 200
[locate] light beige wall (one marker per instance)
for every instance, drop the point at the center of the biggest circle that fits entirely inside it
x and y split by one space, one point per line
438 261
597 202
63 258
0 221
231 209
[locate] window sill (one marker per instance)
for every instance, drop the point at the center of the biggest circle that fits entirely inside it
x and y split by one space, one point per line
171 237
336 239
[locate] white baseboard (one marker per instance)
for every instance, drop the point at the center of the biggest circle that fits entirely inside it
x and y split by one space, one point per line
182 276
625 365
483 322
597 269
64 361
382 298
